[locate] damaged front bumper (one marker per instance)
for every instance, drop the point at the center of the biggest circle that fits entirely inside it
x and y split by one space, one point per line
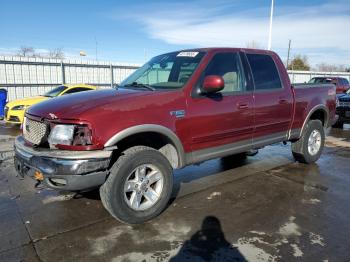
62 169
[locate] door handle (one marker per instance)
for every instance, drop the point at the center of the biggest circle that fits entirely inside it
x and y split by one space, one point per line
242 106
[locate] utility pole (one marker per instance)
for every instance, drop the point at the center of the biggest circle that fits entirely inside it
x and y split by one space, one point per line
270 30
290 41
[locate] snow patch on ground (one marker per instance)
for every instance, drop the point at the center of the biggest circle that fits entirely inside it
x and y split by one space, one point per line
51 199
316 239
168 232
104 243
290 228
312 201
257 232
296 250
253 253
213 195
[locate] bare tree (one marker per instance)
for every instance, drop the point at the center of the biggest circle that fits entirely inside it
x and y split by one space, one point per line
330 68
56 53
26 51
253 44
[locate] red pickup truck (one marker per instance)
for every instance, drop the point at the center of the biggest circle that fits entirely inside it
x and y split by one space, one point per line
179 108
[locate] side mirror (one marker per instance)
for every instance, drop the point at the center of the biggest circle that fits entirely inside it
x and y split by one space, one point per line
212 84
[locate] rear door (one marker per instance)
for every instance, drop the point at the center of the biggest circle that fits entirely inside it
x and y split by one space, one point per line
223 121
273 100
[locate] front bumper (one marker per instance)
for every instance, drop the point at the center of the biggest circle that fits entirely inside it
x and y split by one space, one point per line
14 116
343 114
62 169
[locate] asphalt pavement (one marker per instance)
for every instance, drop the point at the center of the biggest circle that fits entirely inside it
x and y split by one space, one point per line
264 208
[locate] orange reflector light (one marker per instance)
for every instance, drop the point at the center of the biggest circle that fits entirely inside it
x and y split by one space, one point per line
38 175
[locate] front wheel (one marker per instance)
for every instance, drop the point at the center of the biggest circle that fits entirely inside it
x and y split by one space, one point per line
139 185
309 147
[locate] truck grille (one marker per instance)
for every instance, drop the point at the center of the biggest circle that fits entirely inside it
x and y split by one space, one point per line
35 132
344 103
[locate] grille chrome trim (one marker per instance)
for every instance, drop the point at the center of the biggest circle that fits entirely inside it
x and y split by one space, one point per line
34 132
344 103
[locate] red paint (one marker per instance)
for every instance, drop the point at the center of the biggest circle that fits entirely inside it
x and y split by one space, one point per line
212 84
207 122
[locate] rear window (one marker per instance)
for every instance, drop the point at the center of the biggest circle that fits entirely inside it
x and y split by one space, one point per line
264 71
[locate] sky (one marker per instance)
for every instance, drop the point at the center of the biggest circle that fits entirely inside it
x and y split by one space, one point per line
134 31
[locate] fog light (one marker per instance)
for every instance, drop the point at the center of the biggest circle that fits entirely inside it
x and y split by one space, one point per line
38 176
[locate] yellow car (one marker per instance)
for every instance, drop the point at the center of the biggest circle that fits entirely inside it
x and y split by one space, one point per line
14 110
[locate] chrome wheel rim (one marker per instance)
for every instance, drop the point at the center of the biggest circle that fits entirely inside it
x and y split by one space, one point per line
143 187
314 143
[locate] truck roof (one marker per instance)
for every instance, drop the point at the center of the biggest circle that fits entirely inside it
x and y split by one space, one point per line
233 49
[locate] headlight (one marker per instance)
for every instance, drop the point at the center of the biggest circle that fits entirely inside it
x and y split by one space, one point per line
76 135
61 135
20 107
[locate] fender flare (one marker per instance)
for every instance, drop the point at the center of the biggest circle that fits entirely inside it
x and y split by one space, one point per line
313 110
149 128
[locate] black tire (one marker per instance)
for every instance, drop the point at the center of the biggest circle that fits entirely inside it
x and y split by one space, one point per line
112 191
338 124
300 148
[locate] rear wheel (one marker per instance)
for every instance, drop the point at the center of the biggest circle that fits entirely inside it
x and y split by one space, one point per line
309 147
139 185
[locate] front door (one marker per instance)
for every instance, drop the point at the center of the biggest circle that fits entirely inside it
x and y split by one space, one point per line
221 122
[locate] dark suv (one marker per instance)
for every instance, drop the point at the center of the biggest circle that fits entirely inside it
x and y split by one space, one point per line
343 109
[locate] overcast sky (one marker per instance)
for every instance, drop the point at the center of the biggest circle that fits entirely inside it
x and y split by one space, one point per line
130 31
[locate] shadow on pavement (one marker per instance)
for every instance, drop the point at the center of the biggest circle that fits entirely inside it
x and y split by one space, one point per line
208 244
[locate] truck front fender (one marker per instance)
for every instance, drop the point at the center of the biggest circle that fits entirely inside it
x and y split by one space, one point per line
149 128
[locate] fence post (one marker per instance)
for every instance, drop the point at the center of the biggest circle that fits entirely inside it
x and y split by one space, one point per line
112 77
63 76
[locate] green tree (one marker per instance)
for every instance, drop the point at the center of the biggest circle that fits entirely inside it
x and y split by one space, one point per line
299 63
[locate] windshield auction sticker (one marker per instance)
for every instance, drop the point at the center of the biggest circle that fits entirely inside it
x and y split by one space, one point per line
188 54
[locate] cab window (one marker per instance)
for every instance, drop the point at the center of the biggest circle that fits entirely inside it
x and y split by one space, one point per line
228 66
264 72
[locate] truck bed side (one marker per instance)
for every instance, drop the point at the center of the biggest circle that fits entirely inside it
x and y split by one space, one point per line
312 101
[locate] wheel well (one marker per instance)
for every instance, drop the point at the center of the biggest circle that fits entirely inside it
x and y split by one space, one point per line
154 140
319 114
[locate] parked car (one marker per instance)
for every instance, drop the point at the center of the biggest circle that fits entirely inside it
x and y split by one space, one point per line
14 110
341 83
343 110
178 109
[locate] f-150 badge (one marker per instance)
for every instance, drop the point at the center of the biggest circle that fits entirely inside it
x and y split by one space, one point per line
178 113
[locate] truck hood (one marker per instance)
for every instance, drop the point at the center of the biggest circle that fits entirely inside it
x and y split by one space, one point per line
82 105
344 97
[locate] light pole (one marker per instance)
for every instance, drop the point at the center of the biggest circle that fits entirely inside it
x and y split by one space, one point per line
270 30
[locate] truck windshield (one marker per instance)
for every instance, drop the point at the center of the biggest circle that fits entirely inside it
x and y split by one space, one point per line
168 71
56 91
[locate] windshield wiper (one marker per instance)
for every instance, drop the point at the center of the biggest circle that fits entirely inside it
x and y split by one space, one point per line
135 84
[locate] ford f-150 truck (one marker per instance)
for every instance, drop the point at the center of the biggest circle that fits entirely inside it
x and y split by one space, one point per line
178 109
